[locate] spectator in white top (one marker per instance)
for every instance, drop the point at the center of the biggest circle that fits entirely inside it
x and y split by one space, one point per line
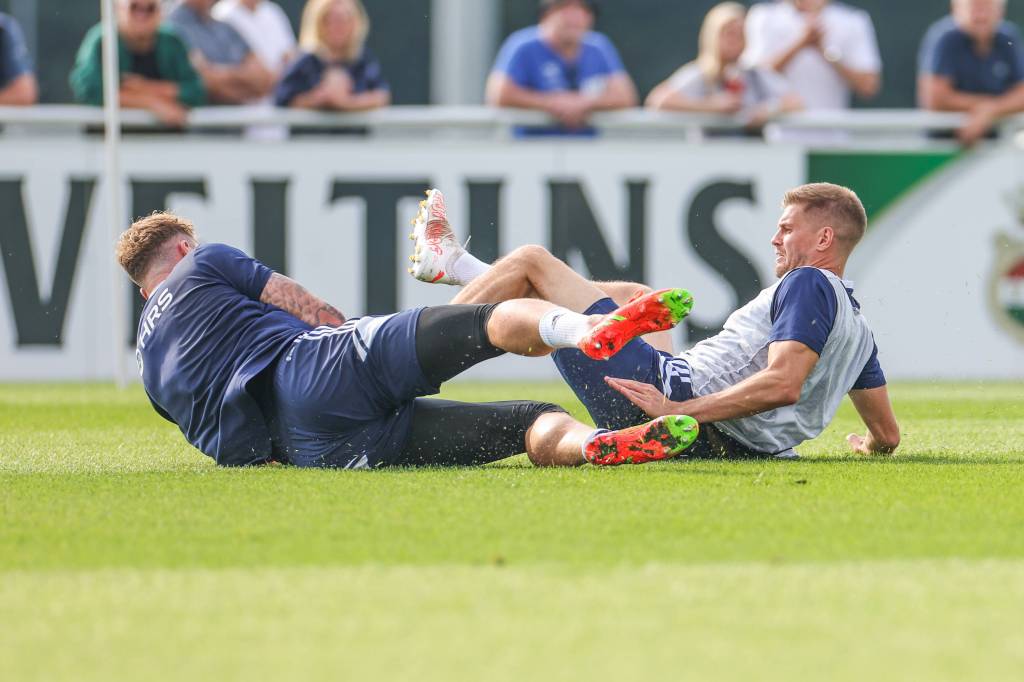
265 27
716 83
827 50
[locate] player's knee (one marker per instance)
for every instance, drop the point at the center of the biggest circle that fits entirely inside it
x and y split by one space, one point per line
621 292
532 411
547 424
530 256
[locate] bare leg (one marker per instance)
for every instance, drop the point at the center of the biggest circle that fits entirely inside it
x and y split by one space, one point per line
556 439
514 326
532 272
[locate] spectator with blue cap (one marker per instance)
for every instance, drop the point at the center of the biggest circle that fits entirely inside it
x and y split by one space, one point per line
972 61
561 66
17 81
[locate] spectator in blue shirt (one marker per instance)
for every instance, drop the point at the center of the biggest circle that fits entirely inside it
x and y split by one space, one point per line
336 71
973 61
231 71
17 82
562 67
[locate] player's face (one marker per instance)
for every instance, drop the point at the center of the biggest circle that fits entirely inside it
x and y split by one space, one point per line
338 25
979 18
571 20
138 18
810 5
731 42
795 241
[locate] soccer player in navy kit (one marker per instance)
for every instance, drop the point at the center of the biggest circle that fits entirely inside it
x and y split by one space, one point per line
772 379
254 368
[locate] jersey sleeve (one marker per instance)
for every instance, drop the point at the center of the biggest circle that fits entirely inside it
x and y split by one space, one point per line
937 57
226 263
871 376
1017 61
14 57
512 61
804 309
301 76
864 54
610 55
374 74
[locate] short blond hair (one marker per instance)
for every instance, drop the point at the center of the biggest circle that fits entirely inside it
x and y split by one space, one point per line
838 206
311 35
140 245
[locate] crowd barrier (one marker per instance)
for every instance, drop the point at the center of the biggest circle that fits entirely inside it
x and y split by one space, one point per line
654 197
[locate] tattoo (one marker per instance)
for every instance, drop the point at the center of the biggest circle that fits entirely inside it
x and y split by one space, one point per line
291 297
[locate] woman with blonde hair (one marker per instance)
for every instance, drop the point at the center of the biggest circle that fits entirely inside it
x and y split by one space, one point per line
336 71
715 82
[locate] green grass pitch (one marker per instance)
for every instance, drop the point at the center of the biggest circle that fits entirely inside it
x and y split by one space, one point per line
124 554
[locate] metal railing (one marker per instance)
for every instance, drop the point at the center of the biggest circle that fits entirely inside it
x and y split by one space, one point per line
486 121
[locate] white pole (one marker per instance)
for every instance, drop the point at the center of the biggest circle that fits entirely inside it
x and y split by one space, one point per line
112 171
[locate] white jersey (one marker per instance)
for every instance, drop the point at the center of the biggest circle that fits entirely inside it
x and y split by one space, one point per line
741 350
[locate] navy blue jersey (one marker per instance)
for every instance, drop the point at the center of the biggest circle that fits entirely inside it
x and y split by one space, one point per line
804 309
308 70
948 51
203 336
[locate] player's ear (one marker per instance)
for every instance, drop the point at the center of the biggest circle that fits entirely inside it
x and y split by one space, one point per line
145 294
826 237
184 246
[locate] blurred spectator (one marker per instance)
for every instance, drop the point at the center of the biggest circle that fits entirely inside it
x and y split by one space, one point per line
336 71
562 67
825 49
973 61
266 29
231 71
715 82
155 70
17 82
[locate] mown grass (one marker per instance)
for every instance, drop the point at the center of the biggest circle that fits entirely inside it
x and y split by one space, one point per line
126 554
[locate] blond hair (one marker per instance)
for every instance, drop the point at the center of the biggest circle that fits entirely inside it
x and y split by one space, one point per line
311 34
838 206
140 246
715 20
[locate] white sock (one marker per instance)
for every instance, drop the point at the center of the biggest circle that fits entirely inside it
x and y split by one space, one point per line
562 328
468 267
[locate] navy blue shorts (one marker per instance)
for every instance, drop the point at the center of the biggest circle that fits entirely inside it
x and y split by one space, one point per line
638 360
343 397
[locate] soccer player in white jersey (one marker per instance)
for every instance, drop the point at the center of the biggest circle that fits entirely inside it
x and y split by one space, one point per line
770 380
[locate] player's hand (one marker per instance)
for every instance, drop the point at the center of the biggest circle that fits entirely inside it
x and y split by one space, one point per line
725 102
979 121
648 398
813 34
858 444
171 114
865 445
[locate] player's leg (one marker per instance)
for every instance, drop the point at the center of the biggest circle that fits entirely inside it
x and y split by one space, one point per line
450 339
528 272
448 433
622 293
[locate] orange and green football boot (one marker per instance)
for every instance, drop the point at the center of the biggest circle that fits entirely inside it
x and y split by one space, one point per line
659 439
644 314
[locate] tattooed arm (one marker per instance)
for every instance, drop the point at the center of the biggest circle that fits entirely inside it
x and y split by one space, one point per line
294 299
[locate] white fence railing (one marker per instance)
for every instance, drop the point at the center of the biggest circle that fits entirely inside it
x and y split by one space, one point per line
485 121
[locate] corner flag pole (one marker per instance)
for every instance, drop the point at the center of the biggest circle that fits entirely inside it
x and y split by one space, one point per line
112 172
